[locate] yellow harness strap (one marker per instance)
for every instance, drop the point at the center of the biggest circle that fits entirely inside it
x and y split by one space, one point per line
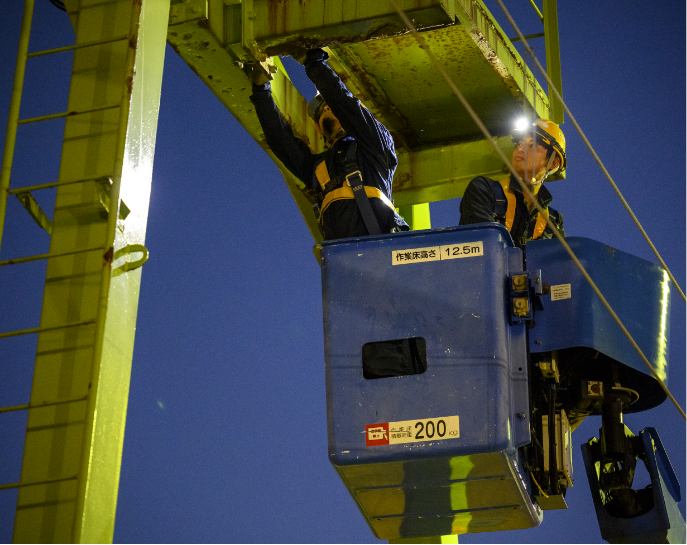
346 192
539 227
510 196
322 174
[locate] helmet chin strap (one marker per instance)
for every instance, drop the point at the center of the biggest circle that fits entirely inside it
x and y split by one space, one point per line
339 134
549 170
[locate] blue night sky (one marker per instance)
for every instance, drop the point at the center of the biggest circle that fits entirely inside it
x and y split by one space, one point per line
226 437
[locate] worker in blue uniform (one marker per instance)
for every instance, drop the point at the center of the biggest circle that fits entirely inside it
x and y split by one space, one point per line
352 178
539 152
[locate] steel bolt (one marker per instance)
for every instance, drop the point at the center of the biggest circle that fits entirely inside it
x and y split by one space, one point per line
521 306
521 415
519 282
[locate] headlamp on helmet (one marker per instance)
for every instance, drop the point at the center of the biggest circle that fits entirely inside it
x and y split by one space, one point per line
543 132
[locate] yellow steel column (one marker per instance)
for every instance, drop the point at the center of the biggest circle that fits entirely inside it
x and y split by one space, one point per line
416 216
73 447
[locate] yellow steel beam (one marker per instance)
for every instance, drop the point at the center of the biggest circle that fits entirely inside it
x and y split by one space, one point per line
75 431
443 172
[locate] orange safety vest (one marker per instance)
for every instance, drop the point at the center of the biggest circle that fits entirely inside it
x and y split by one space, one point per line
539 227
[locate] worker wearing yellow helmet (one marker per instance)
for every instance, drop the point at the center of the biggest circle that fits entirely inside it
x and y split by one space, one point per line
539 152
352 178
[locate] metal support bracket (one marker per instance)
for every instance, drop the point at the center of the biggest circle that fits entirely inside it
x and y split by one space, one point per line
662 522
130 265
104 186
34 209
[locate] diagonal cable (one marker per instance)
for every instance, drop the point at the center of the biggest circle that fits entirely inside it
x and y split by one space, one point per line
526 191
589 146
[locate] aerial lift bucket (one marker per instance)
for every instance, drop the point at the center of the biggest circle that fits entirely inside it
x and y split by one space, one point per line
426 370
442 351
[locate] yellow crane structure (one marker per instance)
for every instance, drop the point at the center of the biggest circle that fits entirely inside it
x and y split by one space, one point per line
67 491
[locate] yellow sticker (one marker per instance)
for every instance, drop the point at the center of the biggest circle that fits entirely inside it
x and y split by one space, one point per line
412 431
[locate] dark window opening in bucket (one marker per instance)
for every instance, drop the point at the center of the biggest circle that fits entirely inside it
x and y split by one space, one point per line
395 358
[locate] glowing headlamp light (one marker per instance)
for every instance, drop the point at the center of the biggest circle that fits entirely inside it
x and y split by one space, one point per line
522 124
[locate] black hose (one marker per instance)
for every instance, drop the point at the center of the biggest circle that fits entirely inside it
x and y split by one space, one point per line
59 4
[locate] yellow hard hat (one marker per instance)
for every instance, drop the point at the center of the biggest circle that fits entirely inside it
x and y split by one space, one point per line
550 135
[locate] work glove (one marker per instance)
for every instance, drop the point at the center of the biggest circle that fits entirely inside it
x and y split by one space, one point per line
255 73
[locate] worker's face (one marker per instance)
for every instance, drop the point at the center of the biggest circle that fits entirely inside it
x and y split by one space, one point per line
530 159
329 124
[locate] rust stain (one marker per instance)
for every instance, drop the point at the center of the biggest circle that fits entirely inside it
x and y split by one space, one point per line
277 11
278 44
108 256
133 41
372 90
129 84
402 180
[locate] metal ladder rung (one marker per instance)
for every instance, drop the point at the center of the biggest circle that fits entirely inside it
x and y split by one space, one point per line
64 114
41 329
75 46
40 405
56 184
48 481
47 256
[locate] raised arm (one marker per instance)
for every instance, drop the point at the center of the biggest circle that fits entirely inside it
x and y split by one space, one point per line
290 150
356 120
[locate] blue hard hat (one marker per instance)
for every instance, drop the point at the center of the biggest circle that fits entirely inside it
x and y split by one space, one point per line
315 107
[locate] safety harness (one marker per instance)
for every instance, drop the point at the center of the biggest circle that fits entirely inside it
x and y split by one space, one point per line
505 207
350 186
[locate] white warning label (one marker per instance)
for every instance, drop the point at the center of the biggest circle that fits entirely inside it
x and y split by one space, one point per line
467 249
561 291
437 253
415 255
